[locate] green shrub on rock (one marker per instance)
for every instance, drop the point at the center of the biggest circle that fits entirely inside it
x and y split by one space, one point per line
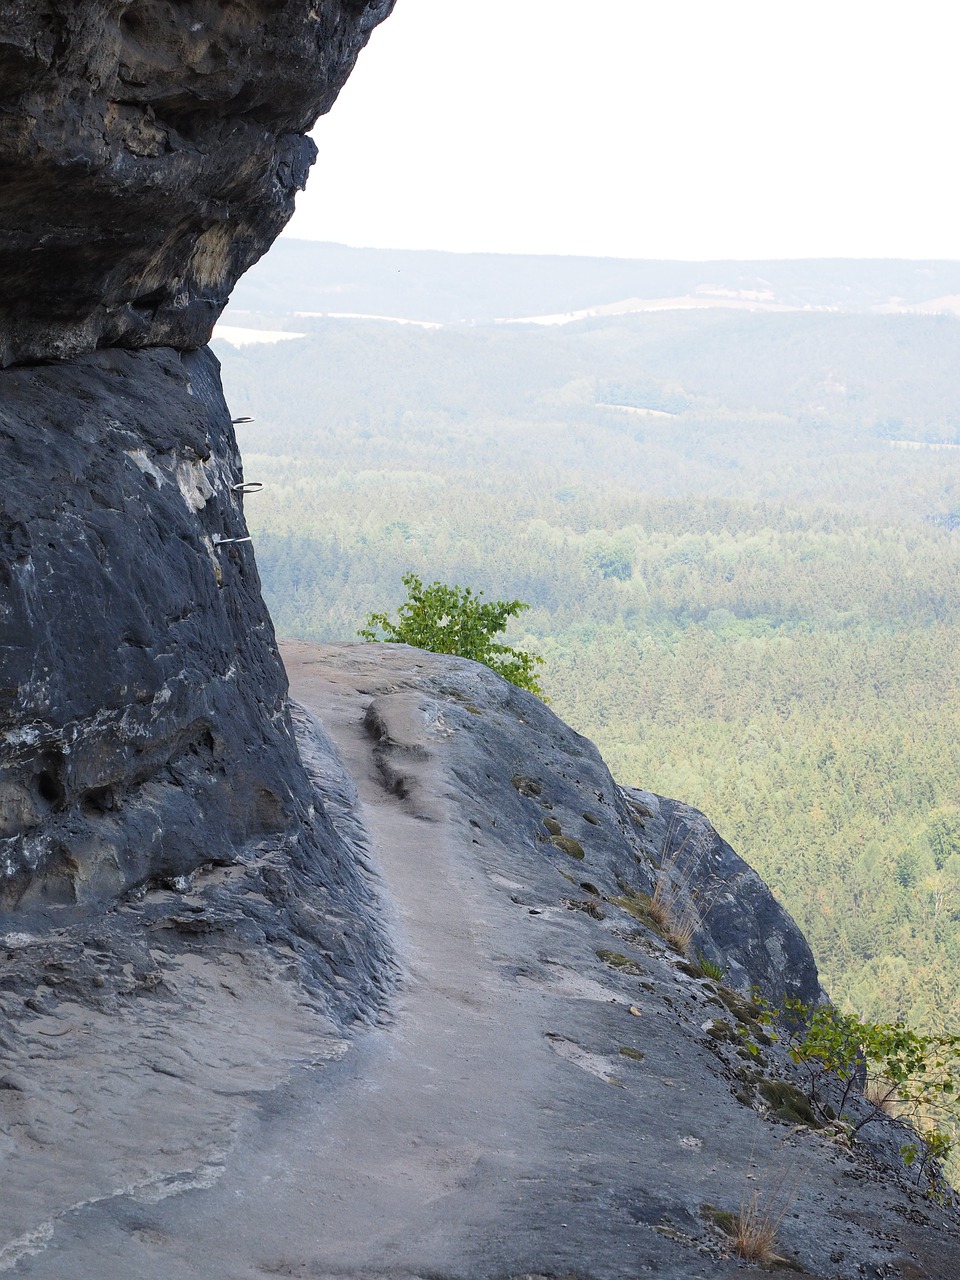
457 620
898 1070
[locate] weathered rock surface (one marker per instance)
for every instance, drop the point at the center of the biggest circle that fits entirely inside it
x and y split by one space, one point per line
188 929
556 1091
158 829
144 723
150 152
137 1042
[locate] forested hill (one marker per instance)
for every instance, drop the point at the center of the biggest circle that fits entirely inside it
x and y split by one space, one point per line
310 276
738 534
708 392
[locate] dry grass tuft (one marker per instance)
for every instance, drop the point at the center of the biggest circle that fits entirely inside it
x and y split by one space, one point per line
684 929
677 904
754 1228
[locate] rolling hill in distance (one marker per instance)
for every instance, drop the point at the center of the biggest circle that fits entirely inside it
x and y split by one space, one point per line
449 288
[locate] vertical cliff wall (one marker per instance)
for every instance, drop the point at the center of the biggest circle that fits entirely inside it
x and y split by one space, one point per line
149 152
145 725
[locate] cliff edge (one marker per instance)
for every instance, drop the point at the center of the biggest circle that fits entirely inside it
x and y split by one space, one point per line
390 1000
553 1088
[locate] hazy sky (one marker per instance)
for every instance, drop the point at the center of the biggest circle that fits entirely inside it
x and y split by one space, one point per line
681 128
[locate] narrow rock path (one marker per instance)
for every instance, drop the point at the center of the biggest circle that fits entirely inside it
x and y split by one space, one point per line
445 1091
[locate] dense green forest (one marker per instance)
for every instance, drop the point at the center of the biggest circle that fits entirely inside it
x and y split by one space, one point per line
747 597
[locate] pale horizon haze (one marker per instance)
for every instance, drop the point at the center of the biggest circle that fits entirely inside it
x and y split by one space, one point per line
689 129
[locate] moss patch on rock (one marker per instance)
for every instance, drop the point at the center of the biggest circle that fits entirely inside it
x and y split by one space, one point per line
616 960
585 905
526 786
566 844
788 1103
640 906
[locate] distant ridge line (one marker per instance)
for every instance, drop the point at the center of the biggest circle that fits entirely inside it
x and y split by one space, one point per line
441 288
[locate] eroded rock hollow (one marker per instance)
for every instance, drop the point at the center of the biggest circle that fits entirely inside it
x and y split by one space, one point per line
150 151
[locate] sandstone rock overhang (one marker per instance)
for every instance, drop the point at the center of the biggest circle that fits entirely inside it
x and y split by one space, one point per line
150 152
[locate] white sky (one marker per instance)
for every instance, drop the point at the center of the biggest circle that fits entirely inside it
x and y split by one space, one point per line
634 128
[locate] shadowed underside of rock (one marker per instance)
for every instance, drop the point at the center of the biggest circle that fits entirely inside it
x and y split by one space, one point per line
150 152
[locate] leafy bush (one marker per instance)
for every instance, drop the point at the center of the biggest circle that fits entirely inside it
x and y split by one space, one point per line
456 620
918 1073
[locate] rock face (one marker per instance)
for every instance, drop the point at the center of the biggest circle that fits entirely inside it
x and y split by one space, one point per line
144 717
188 921
660 862
721 903
150 152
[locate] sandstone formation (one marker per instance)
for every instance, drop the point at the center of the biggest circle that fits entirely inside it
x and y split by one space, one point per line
556 1091
149 153
203 897
144 706
146 732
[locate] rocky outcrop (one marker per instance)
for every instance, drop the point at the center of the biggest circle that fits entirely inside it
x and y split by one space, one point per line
189 924
146 733
558 1090
150 152
145 729
659 861
720 903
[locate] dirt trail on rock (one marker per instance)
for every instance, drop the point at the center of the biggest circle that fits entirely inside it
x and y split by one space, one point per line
452 1080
